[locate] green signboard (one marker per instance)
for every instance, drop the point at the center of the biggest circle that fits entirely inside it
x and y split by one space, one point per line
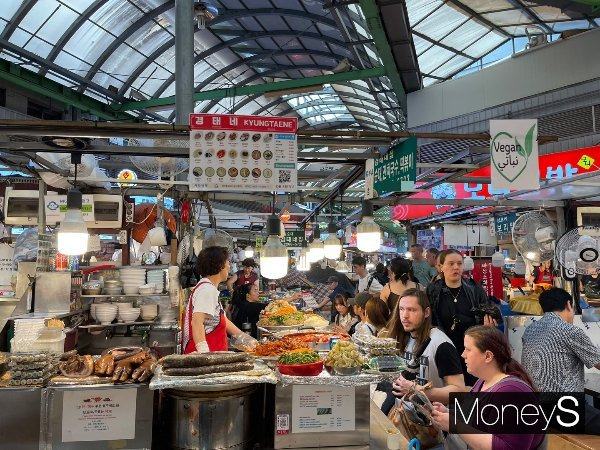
396 171
293 238
503 223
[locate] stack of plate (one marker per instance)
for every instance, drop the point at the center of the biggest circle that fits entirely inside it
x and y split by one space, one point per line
157 278
132 279
112 287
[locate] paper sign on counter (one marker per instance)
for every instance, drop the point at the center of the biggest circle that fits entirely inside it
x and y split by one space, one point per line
322 408
99 415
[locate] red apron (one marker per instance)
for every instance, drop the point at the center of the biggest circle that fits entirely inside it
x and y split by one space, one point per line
544 277
216 339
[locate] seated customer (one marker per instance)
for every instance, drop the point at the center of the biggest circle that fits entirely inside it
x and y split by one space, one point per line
488 357
557 350
345 318
411 326
377 314
358 305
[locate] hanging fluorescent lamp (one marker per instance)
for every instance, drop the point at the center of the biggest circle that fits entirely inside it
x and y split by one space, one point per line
274 256
316 250
332 245
248 252
498 259
468 263
73 233
368 234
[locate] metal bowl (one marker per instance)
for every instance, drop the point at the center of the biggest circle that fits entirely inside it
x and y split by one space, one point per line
343 371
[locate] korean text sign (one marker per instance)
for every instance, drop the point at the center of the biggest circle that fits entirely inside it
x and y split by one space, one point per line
243 153
396 171
503 223
293 238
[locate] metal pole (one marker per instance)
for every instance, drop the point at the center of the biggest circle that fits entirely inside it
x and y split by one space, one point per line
42 207
184 60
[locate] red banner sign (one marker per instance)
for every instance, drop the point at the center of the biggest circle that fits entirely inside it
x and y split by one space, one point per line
490 278
271 124
556 165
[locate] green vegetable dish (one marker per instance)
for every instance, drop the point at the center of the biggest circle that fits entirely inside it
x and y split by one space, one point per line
304 357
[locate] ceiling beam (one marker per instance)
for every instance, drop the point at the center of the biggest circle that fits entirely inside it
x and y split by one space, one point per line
372 16
33 82
215 94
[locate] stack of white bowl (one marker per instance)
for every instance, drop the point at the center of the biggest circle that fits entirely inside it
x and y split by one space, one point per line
157 278
106 312
127 313
132 279
112 287
149 311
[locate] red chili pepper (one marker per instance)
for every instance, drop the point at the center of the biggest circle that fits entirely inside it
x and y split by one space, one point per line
185 211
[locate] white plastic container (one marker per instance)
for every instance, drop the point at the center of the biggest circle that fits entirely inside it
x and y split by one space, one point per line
47 344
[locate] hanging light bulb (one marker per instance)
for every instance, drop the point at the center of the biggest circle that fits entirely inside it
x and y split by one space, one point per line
368 233
332 245
408 255
468 263
249 252
274 256
316 250
498 259
73 233
342 265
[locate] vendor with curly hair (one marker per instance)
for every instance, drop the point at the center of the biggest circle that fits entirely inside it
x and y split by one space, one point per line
205 327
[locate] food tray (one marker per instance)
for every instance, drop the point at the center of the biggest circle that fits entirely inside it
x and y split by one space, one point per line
301 370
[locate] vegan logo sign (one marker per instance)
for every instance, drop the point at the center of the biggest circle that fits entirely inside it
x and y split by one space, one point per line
514 154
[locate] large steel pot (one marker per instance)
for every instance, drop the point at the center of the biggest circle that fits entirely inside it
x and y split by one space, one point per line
214 417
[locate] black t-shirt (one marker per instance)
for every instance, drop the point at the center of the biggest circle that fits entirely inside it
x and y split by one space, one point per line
591 286
448 309
447 360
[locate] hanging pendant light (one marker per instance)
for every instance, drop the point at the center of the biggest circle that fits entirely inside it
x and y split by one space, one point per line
468 263
249 252
368 233
73 233
332 245
72 238
303 264
498 259
274 256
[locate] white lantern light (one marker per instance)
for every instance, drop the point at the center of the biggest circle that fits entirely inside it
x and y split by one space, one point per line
408 255
274 256
316 250
368 233
468 263
248 252
332 245
73 233
498 259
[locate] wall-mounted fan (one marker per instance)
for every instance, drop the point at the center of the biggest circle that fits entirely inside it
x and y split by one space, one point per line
160 166
87 168
211 237
578 251
534 236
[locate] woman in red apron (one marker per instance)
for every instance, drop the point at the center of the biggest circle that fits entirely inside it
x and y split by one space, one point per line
542 274
205 327
245 276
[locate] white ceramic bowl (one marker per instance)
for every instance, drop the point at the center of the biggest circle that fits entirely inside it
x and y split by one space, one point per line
93 310
106 317
131 290
121 306
129 315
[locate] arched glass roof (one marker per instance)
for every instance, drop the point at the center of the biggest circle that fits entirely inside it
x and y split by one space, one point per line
117 50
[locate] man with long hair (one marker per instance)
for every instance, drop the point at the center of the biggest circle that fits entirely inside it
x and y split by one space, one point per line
410 324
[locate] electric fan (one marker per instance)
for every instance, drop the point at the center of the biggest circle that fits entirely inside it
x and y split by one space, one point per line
87 168
211 237
160 166
578 251
534 236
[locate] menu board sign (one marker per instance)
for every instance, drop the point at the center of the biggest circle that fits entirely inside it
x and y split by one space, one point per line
99 415
322 408
240 153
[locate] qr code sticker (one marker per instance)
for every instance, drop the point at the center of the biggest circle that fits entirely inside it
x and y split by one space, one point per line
283 423
285 176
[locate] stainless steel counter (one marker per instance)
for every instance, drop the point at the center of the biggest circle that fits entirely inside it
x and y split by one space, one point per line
20 418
